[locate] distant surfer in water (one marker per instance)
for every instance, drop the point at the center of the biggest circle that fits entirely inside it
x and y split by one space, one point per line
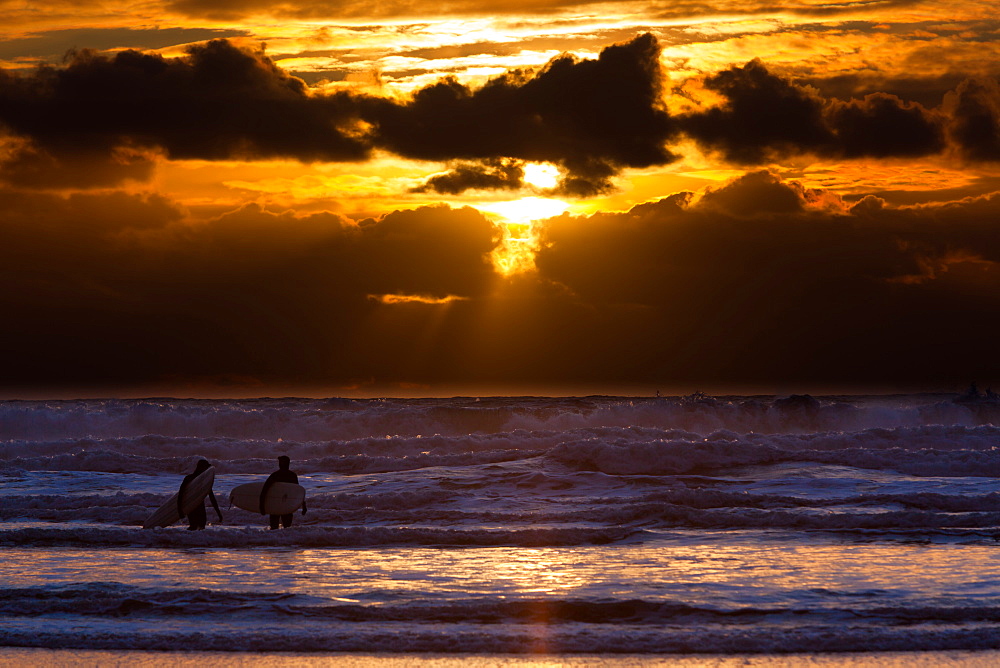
283 474
197 518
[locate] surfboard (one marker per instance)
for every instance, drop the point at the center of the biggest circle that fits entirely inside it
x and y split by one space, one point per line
282 497
194 494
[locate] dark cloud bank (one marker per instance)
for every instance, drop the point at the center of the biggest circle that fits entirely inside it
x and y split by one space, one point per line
592 117
759 283
122 288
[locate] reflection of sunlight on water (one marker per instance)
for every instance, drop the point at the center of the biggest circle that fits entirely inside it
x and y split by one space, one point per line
728 574
532 573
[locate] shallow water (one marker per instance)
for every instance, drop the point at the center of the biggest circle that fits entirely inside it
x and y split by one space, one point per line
593 525
29 658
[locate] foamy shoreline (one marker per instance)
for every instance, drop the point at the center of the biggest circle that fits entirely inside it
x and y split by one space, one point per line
15 657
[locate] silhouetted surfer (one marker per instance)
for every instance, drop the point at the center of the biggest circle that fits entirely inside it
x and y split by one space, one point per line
283 474
197 518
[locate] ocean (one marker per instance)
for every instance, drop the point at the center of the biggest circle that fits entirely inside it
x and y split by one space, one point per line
515 526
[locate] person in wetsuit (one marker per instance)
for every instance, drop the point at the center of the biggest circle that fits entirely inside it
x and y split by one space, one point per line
197 518
283 474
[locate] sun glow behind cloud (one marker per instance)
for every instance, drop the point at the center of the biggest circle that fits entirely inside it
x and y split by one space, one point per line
516 252
541 175
415 299
524 210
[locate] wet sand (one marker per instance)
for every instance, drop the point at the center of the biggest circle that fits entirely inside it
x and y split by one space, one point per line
13 657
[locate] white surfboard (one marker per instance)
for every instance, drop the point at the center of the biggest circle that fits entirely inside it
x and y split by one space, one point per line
194 495
282 498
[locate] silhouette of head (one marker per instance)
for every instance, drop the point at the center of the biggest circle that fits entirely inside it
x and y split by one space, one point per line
202 465
283 462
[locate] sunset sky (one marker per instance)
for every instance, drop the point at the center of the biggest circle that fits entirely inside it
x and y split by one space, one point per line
239 197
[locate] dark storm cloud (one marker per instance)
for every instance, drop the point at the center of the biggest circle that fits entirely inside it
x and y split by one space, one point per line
766 116
764 113
758 281
123 288
975 108
594 117
766 280
220 102
489 175
883 126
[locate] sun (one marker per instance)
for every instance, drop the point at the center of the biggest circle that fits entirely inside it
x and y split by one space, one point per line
541 175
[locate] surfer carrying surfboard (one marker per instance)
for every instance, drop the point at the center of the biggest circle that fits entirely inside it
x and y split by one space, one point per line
283 474
198 517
